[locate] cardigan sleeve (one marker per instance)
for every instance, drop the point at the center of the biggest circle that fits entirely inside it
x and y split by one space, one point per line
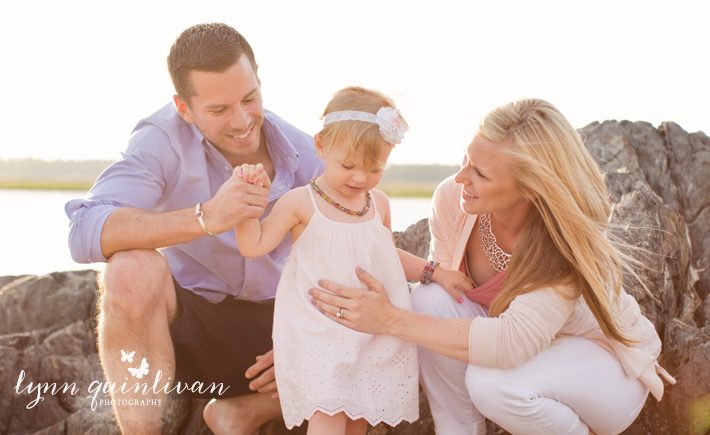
441 223
527 327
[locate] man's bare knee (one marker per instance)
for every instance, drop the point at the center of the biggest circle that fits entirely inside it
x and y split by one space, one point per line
136 282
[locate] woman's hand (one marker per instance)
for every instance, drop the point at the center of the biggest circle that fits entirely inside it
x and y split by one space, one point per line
365 311
373 312
453 281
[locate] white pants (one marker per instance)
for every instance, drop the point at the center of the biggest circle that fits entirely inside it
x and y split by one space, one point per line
569 388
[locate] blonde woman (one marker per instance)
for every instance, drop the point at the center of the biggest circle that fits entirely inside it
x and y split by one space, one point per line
547 342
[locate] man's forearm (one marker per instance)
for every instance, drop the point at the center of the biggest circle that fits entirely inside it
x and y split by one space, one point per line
132 228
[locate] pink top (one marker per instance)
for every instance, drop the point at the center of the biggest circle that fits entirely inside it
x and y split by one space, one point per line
483 294
533 320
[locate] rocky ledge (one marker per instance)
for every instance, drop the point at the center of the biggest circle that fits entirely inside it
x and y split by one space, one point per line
659 179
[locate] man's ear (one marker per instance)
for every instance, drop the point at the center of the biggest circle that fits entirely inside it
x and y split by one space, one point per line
183 109
320 148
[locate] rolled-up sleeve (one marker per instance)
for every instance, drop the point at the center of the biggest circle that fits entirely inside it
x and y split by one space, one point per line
523 330
441 223
137 180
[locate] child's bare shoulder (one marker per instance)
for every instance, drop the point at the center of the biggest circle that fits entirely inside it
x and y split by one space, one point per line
380 198
297 193
297 202
295 197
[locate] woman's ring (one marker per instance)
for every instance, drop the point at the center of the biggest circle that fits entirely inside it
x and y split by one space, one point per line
339 314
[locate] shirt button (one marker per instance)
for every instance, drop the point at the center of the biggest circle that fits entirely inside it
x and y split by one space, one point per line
246 295
227 168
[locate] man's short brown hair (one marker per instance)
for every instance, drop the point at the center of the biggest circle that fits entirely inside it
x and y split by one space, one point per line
212 47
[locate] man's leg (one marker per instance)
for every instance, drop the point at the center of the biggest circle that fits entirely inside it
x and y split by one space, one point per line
245 414
242 415
137 305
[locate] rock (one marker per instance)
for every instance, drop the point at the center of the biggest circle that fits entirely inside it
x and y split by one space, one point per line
659 180
415 239
47 326
27 301
702 314
674 164
686 407
655 235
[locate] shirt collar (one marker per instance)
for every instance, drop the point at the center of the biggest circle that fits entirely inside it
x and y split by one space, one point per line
280 147
282 151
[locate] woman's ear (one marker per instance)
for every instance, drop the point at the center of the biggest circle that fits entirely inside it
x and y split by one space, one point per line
531 195
320 147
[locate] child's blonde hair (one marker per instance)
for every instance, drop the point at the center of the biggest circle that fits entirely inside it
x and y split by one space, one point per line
357 135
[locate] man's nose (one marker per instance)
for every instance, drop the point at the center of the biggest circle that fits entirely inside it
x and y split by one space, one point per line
240 119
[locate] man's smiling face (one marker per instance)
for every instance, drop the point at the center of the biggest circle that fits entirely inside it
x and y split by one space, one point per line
227 108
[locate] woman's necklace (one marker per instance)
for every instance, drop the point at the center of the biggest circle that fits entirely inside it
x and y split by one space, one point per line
498 259
340 207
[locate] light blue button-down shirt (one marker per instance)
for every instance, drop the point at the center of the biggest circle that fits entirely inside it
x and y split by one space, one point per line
169 165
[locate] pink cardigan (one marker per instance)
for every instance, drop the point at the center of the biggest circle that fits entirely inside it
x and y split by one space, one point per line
534 319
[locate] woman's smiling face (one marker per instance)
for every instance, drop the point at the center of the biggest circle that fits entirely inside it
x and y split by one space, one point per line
487 178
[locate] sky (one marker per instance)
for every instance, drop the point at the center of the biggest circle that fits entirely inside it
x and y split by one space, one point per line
78 75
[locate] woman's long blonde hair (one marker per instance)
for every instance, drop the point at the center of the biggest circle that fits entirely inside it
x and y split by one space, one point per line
564 242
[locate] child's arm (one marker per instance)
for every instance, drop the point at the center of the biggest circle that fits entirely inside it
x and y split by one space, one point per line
450 280
256 238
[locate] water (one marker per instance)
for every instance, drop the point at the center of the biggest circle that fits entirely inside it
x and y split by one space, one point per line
34 228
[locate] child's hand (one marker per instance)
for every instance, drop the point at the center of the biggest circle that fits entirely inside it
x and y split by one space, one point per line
453 281
254 174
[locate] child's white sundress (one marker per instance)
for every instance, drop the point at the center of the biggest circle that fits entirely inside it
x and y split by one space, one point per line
324 366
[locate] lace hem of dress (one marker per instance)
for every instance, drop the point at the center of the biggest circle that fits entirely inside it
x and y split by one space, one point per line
353 416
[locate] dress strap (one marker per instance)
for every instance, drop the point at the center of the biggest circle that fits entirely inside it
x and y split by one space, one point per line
313 198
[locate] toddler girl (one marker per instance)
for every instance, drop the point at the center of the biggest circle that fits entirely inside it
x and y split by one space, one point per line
337 378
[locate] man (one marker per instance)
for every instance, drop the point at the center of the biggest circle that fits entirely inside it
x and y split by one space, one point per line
195 309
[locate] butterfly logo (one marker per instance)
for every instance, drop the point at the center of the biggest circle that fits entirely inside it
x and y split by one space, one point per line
127 356
138 372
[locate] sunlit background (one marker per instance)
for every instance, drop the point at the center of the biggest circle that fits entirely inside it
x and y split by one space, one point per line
78 75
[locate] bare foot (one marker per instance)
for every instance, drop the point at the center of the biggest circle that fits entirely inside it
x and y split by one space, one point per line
242 415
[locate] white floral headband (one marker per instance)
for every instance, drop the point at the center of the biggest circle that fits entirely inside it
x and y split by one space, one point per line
392 128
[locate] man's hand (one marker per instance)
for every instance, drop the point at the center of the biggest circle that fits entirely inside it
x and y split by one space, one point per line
235 201
254 174
267 381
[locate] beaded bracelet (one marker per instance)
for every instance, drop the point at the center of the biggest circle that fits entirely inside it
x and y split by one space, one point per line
428 272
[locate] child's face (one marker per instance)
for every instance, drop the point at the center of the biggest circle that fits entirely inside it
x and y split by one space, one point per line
351 177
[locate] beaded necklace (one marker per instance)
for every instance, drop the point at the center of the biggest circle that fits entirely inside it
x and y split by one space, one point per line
498 259
340 207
